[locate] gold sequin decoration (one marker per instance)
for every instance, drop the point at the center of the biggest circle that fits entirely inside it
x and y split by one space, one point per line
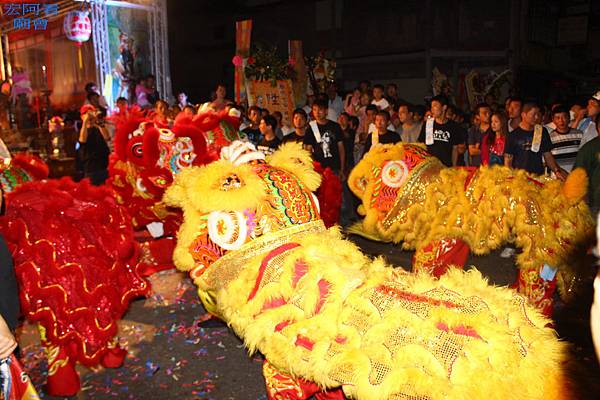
413 191
379 371
227 268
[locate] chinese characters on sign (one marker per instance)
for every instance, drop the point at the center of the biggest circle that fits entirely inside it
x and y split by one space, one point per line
273 98
30 15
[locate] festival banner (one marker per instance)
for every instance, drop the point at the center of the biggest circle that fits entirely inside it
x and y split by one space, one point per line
296 59
243 32
274 98
129 47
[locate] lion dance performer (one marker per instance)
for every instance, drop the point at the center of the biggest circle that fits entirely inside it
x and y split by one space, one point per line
76 264
332 322
408 196
146 159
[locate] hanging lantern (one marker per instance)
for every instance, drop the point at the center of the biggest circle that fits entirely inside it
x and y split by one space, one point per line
78 28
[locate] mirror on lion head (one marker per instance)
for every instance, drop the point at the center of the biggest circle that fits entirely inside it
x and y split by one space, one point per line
239 198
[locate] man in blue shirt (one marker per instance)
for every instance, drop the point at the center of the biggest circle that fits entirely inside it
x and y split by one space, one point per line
527 144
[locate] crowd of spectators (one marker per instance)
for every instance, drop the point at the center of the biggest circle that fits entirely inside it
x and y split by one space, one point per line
338 130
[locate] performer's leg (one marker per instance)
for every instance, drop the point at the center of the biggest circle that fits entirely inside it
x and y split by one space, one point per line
437 256
538 290
281 386
156 256
63 380
115 356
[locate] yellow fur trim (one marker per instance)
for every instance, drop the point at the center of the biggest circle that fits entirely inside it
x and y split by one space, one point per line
204 188
498 205
293 158
576 185
325 312
389 346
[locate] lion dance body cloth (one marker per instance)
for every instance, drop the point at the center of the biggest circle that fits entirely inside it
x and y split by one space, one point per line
333 322
409 197
76 263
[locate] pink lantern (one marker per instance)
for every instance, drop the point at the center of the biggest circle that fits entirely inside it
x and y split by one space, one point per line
77 26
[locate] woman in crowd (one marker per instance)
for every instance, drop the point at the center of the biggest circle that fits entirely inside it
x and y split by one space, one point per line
352 104
492 148
161 118
220 100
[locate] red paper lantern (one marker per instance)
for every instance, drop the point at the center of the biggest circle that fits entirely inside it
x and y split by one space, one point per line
77 26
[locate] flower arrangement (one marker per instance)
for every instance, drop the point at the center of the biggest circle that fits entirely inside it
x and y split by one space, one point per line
263 64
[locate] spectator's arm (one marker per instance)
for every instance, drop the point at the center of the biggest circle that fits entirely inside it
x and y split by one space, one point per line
455 151
342 152
508 160
7 341
551 162
83 132
474 149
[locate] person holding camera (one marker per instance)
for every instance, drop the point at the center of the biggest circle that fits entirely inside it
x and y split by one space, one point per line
93 149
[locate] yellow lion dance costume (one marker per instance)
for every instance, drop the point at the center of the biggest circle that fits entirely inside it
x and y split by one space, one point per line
408 196
334 322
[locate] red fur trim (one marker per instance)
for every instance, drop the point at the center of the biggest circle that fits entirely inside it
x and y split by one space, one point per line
329 195
32 164
207 121
150 146
125 125
182 119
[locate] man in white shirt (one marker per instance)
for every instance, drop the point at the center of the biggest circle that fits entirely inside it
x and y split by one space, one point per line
336 105
378 100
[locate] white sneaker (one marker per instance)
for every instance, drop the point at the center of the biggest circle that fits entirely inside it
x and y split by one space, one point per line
508 252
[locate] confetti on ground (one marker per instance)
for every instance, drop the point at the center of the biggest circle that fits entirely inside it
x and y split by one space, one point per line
169 354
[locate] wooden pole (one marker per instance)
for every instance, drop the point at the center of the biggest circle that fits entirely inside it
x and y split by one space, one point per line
296 55
243 32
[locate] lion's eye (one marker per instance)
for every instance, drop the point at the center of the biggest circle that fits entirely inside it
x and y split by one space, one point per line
231 182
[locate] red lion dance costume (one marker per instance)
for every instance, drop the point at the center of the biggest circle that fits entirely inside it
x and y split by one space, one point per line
147 158
145 161
76 263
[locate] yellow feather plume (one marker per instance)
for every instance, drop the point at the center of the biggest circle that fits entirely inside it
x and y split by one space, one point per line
293 158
